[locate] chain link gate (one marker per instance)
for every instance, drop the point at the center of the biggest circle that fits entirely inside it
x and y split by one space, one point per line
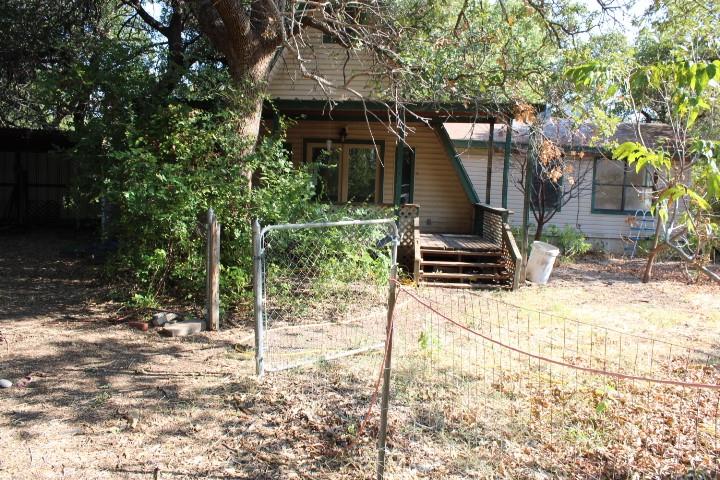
321 290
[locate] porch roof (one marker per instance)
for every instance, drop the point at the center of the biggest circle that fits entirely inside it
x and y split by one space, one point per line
356 110
560 131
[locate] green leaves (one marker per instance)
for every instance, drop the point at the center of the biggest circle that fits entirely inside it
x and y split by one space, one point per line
641 156
589 74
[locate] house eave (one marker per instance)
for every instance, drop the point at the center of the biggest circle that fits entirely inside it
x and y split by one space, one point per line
373 110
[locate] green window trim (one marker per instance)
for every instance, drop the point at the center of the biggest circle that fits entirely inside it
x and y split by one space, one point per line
622 210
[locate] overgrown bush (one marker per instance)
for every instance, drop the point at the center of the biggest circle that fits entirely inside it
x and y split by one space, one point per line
172 170
571 241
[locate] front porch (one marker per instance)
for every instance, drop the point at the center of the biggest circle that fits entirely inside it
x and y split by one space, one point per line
487 258
448 236
452 242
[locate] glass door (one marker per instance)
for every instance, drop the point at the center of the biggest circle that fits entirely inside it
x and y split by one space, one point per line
361 173
407 176
327 172
346 173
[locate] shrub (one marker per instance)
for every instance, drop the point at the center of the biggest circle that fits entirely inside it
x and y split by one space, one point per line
569 240
168 172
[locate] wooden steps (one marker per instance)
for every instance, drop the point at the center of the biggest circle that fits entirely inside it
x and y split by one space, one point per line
467 265
474 286
450 263
464 276
488 253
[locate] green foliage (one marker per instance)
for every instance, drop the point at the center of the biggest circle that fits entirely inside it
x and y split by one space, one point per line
682 90
569 240
139 300
428 342
459 51
185 161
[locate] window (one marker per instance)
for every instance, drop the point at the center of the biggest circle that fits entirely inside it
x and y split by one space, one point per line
618 188
546 194
362 174
347 173
327 163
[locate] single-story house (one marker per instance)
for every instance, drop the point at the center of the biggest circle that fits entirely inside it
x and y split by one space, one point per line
433 172
609 196
448 235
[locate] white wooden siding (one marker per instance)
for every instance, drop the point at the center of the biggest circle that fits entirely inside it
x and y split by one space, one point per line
603 229
330 61
444 207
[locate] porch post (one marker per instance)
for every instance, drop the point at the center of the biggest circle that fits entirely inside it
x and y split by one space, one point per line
506 163
529 171
491 148
399 160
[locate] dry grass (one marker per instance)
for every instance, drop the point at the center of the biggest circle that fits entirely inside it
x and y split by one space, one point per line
109 402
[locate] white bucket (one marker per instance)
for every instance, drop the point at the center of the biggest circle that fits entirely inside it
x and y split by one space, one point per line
541 262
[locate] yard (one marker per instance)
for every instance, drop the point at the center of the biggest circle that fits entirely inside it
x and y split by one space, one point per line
95 399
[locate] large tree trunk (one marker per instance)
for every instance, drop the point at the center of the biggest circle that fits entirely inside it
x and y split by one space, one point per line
248 38
250 81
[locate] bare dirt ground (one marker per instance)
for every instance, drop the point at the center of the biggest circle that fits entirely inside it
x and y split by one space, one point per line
106 401
95 399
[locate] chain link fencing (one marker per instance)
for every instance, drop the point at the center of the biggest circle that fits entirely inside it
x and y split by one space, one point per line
322 290
481 385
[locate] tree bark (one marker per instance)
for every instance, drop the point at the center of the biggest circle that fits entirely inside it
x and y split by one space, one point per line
539 231
248 39
657 247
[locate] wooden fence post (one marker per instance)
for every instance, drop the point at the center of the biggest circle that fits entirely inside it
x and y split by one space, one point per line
213 271
385 398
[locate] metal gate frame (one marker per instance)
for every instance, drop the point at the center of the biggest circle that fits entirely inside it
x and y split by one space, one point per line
258 235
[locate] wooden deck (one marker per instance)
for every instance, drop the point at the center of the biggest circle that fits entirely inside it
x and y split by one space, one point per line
446 241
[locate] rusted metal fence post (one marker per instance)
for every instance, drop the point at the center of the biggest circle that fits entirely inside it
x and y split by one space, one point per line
385 399
213 271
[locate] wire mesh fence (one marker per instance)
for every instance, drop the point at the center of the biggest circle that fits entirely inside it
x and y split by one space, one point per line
480 387
324 290
545 395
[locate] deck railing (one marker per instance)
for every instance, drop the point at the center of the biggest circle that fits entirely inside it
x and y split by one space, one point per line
491 223
511 255
409 231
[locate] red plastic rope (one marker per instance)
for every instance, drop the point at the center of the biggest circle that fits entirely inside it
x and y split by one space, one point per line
558 362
